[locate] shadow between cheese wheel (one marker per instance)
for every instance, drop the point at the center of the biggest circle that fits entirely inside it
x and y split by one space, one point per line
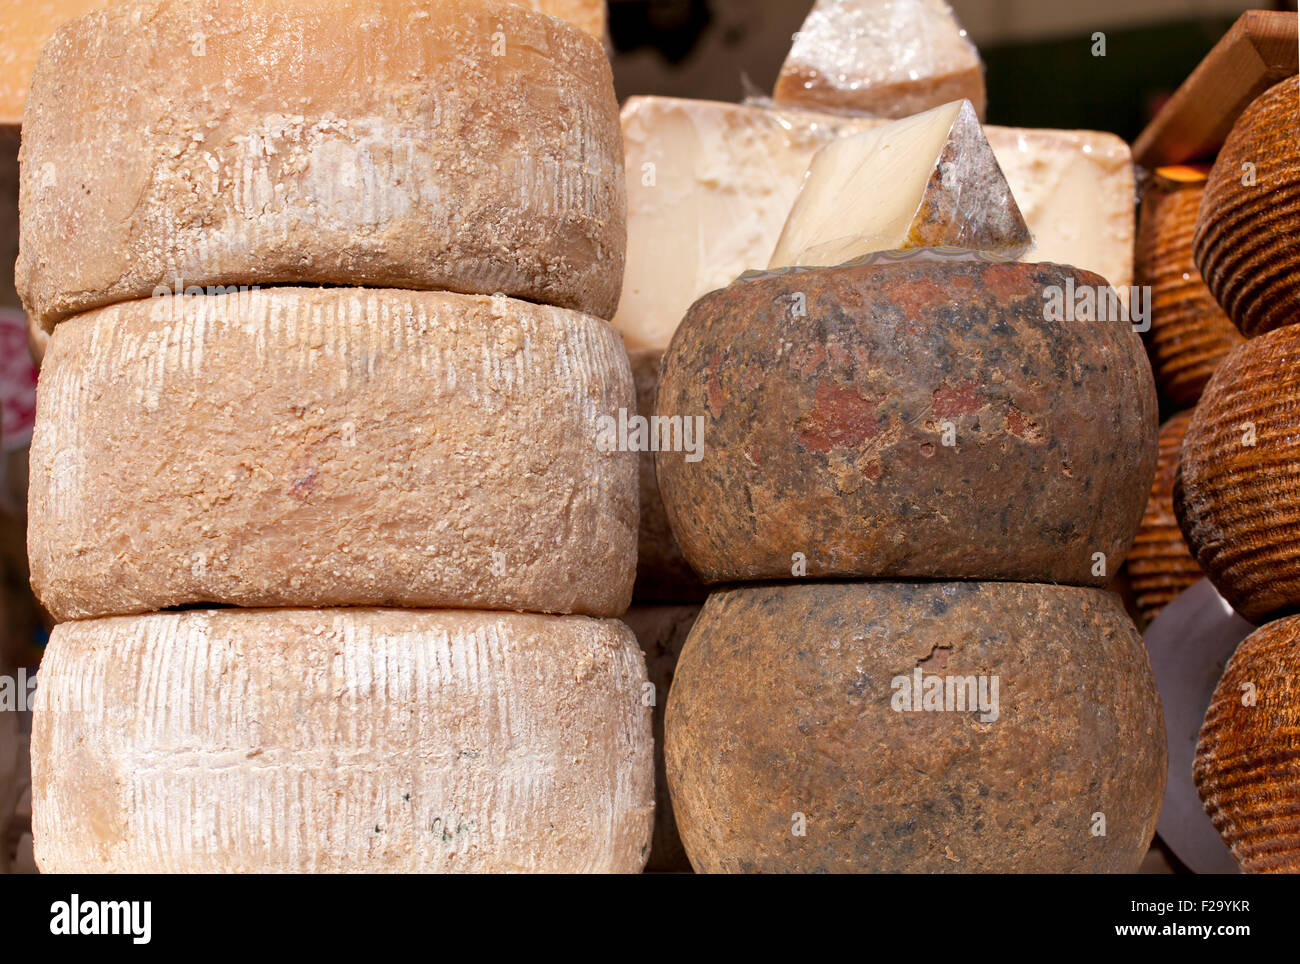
921 419
958 727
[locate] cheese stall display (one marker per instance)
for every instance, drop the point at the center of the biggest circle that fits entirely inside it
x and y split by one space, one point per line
451 457
411 435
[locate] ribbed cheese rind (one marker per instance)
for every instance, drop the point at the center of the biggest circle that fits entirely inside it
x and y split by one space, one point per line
295 447
342 740
465 145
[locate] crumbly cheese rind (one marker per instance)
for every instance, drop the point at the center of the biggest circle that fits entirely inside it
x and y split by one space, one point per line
326 447
468 145
342 741
710 186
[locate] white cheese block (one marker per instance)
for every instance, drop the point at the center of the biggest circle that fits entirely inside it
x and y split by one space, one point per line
921 182
462 145
888 58
331 447
342 741
710 186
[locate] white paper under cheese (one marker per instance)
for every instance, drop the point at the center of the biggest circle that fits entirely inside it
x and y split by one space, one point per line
710 186
462 145
342 740
322 447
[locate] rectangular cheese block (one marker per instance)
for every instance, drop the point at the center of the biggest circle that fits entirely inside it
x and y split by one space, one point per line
25 26
921 182
710 186
888 58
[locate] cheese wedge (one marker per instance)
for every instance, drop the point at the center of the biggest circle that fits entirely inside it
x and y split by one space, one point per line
925 181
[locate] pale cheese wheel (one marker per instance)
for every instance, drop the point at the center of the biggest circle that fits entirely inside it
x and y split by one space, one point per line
465 145
342 740
331 447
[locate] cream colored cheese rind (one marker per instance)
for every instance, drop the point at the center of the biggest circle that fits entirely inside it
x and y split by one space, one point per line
331 447
342 741
468 146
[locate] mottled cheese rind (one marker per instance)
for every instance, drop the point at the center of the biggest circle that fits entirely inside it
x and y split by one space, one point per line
908 420
312 741
327 447
1247 770
923 181
466 145
1237 494
784 707
888 58
710 186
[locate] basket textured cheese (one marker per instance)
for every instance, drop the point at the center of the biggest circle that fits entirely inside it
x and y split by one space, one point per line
914 419
465 145
915 727
342 741
325 447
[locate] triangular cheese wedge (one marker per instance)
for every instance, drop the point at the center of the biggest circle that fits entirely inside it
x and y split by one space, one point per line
925 181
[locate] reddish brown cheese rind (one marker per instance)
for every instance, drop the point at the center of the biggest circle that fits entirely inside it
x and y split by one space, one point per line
1237 494
781 706
1247 766
1245 243
827 397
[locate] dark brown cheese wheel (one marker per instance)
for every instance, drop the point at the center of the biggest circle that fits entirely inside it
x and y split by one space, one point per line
796 740
662 631
915 419
1250 215
662 573
1237 495
1160 566
1189 332
1247 765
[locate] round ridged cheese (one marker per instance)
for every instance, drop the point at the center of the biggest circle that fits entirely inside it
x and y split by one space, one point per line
916 419
342 740
1247 769
661 631
662 573
463 145
1160 566
1246 229
1238 490
331 447
795 741
1189 332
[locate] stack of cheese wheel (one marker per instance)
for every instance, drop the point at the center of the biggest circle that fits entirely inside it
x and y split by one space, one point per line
912 490
327 345
1189 336
1238 489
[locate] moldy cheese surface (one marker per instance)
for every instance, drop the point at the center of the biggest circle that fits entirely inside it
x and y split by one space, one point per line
465 145
330 447
917 419
309 741
809 700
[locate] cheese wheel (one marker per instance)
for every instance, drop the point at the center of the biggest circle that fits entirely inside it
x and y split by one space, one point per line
797 738
1247 769
1246 229
661 631
662 573
1238 491
331 447
1189 332
342 740
913 419
1160 566
463 145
